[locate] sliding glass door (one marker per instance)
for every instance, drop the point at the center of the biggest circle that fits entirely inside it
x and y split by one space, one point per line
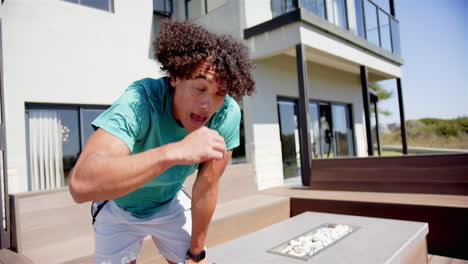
331 132
342 130
289 134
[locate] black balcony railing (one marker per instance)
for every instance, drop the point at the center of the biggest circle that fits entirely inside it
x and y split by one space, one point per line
373 23
377 26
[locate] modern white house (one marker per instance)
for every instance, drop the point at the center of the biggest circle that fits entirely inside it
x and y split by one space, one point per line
64 61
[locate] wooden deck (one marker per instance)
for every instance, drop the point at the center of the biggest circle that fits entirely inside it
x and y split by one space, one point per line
460 201
435 174
446 214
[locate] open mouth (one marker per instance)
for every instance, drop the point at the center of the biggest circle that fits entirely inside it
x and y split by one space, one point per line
198 119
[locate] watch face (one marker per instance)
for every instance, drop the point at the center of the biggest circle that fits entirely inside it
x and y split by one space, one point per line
197 257
202 254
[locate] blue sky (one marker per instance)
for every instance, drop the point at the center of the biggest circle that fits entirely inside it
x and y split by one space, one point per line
434 41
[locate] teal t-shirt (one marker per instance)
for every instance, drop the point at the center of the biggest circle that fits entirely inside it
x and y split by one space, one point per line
142 118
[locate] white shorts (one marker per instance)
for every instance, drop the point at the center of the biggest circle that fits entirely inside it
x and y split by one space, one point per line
118 235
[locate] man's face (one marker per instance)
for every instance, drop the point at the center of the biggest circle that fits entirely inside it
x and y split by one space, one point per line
196 99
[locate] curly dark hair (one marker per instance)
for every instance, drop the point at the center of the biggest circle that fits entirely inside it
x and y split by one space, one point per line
182 45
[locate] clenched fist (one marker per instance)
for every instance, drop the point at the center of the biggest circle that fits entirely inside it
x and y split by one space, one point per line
199 146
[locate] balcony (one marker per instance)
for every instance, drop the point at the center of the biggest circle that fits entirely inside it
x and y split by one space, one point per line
365 19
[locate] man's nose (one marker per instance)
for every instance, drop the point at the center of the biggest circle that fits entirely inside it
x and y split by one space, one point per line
206 103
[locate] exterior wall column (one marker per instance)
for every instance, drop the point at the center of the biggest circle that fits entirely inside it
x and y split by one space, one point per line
5 231
366 102
404 141
304 136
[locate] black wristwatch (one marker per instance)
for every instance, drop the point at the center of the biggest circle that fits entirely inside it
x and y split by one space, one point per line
197 257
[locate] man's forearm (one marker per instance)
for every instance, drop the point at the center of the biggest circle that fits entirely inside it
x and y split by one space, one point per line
204 197
101 177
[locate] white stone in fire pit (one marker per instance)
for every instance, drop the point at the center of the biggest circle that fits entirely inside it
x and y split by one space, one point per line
314 241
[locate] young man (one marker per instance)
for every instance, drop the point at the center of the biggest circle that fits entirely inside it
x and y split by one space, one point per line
154 136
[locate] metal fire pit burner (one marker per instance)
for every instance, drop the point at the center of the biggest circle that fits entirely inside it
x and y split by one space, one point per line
314 241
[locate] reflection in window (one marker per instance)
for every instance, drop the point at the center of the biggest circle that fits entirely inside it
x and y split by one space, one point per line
279 7
315 6
107 5
337 13
53 136
163 7
372 28
326 131
289 135
87 116
385 37
342 130
395 36
315 129
360 18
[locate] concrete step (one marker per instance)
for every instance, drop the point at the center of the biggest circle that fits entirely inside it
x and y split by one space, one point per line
8 257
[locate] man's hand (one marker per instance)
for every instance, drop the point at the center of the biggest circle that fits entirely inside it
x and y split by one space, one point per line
199 146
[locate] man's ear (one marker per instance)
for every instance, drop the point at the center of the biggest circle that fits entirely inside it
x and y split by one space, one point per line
174 81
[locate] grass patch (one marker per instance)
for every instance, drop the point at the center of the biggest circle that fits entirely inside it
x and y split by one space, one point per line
432 133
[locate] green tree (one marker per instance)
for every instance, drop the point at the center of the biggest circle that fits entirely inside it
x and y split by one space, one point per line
382 94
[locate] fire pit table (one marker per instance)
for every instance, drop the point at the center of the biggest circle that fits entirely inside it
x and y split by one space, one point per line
329 239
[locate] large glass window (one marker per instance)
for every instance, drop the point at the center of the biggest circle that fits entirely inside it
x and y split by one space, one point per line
385 38
337 13
279 7
56 134
107 5
360 18
315 6
372 26
163 7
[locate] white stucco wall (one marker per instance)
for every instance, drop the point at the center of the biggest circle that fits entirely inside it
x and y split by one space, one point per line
277 76
60 52
224 19
257 12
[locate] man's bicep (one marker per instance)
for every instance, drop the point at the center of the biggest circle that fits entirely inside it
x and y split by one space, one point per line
103 143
